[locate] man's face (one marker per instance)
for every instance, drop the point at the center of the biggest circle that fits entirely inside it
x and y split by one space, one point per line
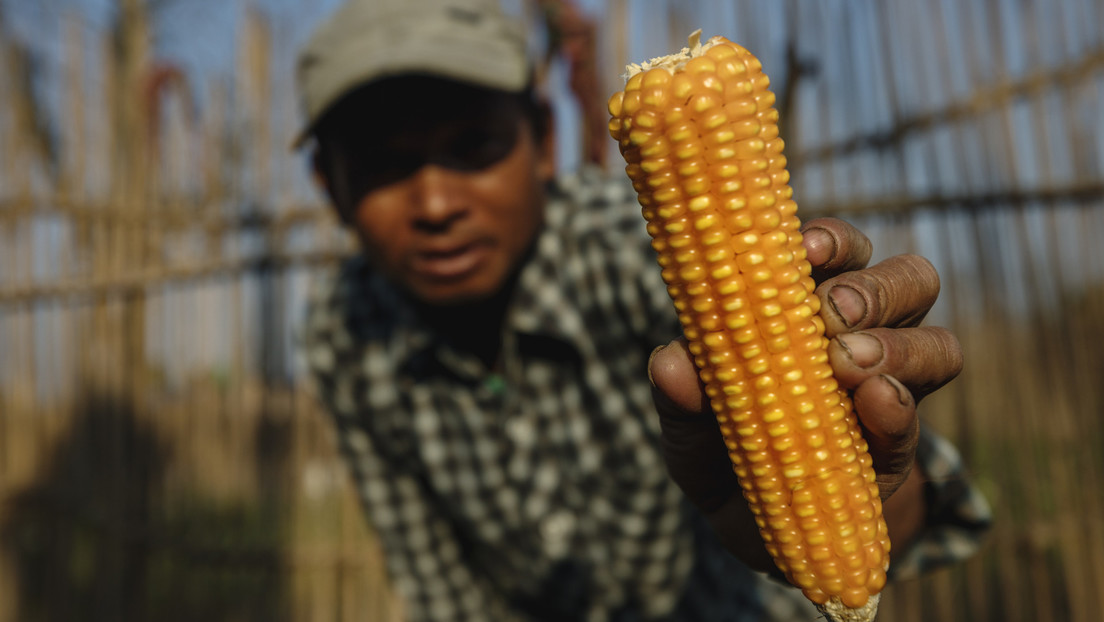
446 187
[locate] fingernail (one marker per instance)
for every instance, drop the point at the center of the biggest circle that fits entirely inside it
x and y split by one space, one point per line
848 304
864 350
651 357
904 396
819 245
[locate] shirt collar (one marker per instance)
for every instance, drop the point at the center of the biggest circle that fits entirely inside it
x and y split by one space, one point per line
540 306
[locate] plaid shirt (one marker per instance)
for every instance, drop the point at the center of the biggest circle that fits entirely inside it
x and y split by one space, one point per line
539 493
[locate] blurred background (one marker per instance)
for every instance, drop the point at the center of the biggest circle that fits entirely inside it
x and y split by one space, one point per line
162 456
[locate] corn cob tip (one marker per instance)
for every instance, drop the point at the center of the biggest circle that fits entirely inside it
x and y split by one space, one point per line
671 61
835 611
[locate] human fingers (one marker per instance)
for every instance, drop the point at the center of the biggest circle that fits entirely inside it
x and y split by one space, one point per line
889 371
897 292
834 247
696 456
922 359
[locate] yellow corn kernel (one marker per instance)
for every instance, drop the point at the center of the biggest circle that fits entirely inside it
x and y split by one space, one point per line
741 282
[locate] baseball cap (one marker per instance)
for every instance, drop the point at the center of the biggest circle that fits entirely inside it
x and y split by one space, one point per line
470 41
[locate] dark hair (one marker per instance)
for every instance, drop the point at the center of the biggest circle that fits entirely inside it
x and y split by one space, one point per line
362 116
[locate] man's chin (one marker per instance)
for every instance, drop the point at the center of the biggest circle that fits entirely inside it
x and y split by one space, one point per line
455 297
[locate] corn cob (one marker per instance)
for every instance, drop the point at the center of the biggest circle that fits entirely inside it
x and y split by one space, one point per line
699 135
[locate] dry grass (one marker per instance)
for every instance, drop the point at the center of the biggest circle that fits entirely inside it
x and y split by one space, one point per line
217 505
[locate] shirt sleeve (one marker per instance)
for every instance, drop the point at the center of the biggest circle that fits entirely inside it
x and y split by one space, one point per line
958 515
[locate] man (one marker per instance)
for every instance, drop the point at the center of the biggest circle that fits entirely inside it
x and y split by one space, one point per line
486 357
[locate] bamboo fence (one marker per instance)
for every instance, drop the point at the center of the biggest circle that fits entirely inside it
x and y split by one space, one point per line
162 455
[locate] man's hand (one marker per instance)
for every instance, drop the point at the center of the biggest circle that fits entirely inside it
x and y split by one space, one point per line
878 350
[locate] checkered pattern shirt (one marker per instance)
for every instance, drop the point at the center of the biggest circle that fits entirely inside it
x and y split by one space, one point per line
537 492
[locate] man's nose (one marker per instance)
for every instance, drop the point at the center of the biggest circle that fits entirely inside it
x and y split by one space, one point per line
438 198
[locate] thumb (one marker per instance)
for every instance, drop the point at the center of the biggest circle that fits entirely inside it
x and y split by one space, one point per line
696 456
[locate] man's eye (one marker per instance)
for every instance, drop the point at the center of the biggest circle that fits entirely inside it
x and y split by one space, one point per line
392 159
479 148
376 170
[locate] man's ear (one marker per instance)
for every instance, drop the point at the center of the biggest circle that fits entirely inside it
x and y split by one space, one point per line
546 142
320 175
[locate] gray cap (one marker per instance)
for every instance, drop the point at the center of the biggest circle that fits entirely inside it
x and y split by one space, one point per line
364 40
